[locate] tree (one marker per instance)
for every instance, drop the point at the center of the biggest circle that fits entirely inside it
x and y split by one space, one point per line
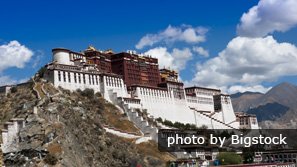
88 93
41 72
14 89
248 155
229 158
159 120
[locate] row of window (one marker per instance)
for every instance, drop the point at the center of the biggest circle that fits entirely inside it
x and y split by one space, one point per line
78 78
132 101
199 101
76 56
154 93
116 82
245 121
207 93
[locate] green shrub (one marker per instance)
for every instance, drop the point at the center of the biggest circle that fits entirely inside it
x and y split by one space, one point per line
50 159
88 93
14 89
41 72
229 158
159 120
168 123
98 94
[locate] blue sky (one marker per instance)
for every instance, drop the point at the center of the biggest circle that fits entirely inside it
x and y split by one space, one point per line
40 26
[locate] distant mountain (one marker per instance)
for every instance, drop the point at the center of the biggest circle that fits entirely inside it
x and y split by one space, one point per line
239 94
279 104
284 93
245 101
269 111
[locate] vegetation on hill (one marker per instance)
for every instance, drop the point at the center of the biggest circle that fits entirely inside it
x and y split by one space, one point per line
68 130
179 125
229 158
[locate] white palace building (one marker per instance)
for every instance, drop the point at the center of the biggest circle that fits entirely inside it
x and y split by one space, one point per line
135 81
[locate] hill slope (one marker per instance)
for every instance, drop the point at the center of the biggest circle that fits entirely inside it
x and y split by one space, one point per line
67 130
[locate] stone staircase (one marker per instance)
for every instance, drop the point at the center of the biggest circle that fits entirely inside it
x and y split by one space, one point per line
147 128
121 133
147 125
216 120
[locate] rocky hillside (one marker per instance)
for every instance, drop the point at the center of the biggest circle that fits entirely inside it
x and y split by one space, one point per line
276 109
67 130
245 101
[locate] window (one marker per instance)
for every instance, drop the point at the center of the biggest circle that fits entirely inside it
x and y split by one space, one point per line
84 78
59 75
254 121
96 80
75 80
69 78
79 79
64 76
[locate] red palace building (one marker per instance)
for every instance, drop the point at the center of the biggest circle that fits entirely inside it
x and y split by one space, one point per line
134 68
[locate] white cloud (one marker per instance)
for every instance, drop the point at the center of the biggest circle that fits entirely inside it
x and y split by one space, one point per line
201 51
268 16
14 54
240 88
176 59
249 62
171 34
6 80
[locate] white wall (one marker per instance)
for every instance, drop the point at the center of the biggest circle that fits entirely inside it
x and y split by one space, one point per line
160 103
90 80
112 86
10 135
200 103
62 57
227 110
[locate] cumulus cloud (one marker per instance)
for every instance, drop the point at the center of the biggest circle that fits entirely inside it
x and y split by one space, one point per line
201 51
241 88
176 59
171 34
6 80
14 54
268 16
248 62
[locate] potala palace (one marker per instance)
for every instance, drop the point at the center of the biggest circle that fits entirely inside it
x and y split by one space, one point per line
135 81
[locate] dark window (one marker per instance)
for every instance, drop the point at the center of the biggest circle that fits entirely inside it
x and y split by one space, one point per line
59 75
64 76
69 78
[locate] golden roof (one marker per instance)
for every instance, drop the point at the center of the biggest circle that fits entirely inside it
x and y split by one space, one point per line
91 48
108 51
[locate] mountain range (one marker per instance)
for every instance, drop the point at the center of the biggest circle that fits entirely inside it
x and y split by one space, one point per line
277 108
